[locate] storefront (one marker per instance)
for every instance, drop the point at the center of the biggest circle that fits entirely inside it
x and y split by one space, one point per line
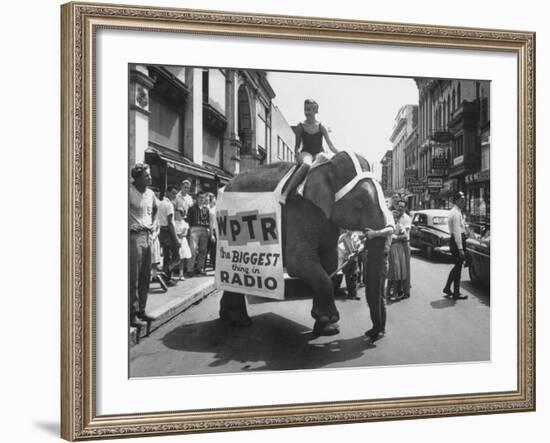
478 196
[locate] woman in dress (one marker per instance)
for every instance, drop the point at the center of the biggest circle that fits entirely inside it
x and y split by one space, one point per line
182 228
398 261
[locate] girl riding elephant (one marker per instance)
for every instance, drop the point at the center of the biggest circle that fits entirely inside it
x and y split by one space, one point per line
309 136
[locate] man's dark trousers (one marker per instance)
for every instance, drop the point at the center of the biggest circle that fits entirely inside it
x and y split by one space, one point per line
456 271
170 250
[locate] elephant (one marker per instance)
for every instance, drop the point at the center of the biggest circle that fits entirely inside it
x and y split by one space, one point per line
311 226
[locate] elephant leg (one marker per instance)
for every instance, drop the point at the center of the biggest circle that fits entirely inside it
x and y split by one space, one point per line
324 309
233 309
329 263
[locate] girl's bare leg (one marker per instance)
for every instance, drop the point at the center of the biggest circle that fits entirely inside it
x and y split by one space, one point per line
182 269
305 164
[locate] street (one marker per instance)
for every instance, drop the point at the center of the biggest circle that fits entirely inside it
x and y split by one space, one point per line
424 329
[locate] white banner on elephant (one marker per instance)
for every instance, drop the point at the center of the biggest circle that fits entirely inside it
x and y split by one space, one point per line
249 255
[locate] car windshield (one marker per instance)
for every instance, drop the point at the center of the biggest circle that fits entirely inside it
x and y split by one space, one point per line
441 223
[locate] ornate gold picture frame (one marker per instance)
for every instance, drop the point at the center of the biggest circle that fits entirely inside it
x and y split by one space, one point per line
80 23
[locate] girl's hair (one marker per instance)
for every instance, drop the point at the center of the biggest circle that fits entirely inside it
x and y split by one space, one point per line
309 101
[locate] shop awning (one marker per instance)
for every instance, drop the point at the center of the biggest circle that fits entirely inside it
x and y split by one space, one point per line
182 164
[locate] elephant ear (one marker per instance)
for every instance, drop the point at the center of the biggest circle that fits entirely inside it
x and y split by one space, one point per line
319 187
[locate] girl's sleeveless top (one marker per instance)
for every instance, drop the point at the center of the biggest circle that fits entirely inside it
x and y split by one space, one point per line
312 143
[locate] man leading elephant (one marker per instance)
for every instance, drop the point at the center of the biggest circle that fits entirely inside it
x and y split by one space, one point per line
375 278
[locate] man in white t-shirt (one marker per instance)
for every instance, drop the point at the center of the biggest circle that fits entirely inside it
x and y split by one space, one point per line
183 199
168 239
142 211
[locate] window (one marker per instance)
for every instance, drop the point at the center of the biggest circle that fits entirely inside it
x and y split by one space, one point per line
262 127
420 219
484 112
165 122
485 157
454 100
205 78
216 89
458 146
283 151
458 96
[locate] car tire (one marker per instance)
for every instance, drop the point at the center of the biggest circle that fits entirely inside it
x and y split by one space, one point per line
429 250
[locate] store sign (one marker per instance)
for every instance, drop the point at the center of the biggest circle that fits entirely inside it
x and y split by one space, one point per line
458 160
481 176
412 183
249 255
440 159
415 186
435 183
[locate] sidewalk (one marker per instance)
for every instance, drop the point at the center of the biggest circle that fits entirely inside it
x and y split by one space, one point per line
163 306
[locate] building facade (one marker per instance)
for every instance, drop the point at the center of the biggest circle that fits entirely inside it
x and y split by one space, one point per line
403 129
453 121
202 124
413 186
386 173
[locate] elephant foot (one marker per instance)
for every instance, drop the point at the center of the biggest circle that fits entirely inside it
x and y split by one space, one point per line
325 329
236 319
331 317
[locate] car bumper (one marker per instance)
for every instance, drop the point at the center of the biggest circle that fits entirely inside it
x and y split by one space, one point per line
443 250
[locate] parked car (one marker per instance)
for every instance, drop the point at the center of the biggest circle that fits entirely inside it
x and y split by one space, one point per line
430 231
478 249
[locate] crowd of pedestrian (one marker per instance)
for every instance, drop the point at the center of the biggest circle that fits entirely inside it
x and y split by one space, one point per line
172 237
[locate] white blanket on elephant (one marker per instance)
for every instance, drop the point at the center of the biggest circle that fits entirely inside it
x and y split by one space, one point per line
249 253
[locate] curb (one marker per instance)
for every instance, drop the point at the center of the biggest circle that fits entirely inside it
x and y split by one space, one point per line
167 312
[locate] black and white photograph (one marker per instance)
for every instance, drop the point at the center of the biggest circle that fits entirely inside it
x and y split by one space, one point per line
284 221
275 221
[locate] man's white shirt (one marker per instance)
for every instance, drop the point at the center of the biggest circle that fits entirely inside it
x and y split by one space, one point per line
166 208
141 208
457 225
